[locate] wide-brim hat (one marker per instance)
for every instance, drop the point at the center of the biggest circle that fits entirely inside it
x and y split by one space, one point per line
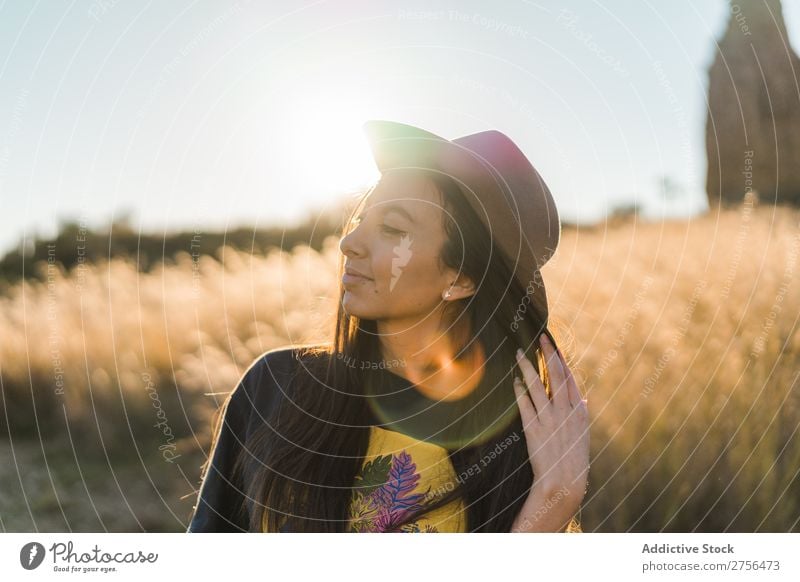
498 180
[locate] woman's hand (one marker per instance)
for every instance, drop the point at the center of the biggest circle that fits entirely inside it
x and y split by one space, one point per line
557 437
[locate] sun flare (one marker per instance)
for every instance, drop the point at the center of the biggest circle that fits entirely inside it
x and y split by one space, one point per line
329 149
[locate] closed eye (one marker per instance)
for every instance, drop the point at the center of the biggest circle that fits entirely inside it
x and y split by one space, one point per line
384 227
390 230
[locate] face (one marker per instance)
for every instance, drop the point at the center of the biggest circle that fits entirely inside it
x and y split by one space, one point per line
396 245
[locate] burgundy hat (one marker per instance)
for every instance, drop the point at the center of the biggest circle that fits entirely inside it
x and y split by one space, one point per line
500 183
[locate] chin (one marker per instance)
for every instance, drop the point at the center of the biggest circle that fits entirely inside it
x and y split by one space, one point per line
351 307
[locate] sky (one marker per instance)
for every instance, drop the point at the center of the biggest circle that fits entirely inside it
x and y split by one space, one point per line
200 115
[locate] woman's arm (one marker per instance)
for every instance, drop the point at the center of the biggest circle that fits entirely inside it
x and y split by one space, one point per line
221 495
545 511
222 503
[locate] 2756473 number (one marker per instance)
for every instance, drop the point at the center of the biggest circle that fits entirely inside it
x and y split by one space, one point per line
755 565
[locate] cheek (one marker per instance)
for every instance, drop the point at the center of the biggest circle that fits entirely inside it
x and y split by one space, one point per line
408 270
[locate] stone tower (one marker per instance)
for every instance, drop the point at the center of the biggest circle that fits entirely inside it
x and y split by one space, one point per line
753 125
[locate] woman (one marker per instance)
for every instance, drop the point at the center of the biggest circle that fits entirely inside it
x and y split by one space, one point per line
419 414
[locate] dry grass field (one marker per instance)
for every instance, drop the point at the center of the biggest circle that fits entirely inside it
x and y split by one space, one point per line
684 335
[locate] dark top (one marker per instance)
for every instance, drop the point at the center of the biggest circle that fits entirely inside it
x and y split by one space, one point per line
398 407
243 411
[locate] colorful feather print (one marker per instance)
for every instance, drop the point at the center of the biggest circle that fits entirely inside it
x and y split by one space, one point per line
385 493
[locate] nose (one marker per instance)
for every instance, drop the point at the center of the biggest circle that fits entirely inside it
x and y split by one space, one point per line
351 244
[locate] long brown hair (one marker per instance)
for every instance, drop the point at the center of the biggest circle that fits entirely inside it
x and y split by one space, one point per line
299 467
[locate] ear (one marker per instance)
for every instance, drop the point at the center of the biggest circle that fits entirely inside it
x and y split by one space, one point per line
460 288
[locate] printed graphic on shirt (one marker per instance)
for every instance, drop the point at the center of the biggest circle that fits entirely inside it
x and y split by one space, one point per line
399 476
385 493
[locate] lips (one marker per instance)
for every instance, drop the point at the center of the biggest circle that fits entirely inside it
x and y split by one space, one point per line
352 271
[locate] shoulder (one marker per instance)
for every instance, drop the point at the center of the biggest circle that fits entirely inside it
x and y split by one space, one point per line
268 375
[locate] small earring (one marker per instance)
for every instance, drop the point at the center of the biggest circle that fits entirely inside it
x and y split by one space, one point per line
447 294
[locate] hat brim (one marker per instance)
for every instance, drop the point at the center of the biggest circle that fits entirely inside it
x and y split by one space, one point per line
398 145
401 146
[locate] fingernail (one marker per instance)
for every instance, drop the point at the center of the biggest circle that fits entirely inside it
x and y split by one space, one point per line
519 354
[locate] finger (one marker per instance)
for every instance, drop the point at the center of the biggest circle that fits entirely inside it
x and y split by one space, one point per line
572 386
580 417
531 423
526 408
533 382
557 374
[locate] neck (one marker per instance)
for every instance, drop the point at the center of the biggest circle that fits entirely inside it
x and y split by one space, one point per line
424 348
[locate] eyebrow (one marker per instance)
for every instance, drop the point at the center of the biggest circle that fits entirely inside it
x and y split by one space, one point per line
393 207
